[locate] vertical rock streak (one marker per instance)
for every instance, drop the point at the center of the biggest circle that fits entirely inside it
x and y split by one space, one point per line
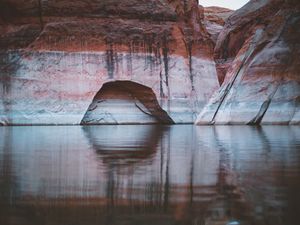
189 49
165 52
110 64
40 12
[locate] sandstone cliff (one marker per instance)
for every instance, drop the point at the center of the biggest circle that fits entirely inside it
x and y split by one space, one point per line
258 52
148 61
214 20
56 55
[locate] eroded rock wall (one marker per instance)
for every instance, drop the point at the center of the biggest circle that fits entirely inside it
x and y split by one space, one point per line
259 52
214 20
56 55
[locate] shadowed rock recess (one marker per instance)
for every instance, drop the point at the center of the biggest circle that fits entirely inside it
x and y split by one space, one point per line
125 102
56 57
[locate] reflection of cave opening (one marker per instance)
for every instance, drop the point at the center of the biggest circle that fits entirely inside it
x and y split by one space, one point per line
125 102
127 146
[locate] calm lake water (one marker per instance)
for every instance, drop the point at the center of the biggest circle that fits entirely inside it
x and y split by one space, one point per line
150 175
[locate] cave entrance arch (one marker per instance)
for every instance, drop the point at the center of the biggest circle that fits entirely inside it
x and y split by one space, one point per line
125 102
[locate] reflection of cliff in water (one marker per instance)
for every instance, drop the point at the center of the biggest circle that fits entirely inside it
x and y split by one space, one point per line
150 175
182 187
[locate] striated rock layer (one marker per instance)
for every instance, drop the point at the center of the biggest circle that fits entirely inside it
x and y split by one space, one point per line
55 56
259 51
124 102
214 20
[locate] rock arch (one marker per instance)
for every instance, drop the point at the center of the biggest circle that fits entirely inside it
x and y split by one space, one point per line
125 102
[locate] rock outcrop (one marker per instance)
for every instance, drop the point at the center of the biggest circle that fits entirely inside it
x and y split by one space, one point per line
56 55
259 52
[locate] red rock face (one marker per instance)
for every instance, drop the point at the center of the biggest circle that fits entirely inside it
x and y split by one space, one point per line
92 25
214 21
83 44
259 52
217 15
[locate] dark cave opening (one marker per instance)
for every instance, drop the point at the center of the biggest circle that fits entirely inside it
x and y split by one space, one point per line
125 102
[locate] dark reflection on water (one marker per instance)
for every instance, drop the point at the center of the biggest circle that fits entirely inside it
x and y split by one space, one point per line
150 175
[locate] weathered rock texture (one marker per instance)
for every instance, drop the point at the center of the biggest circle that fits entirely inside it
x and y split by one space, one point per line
214 20
125 102
56 55
259 51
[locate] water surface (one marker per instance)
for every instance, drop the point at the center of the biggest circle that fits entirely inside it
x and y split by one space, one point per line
121 175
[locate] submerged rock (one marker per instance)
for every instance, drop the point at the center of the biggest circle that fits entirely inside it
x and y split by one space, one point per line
259 52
